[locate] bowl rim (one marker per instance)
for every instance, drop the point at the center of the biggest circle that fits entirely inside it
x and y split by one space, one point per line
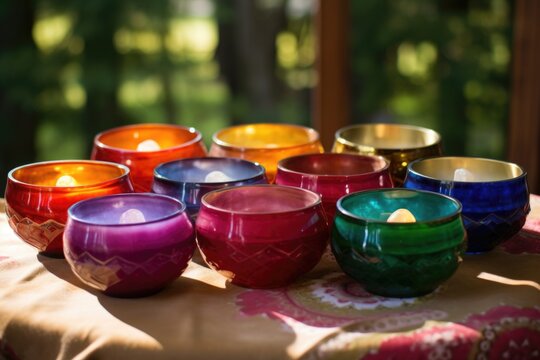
124 168
420 175
281 165
205 204
310 131
340 139
259 175
99 144
177 212
340 210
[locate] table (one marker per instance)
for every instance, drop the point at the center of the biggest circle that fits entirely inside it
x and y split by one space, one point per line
489 309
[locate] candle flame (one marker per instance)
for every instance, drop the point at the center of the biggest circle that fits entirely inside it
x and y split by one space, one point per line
66 181
148 145
401 216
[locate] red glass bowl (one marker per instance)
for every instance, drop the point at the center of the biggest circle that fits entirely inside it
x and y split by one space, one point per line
265 144
37 208
334 175
130 259
120 144
262 236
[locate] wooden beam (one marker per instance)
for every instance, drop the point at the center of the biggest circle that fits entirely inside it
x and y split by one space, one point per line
332 105
524 125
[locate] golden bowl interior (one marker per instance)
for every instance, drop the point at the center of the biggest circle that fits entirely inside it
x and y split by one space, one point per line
387 136
83 173
482 170
129 137
265 136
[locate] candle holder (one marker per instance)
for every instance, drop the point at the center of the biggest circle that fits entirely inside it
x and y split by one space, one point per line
129 245
334 175
494 195
142 147
262 236
189 179
398 259
265 144
400 144
39 194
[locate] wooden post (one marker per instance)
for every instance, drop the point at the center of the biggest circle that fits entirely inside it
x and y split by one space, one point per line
332 105
524 125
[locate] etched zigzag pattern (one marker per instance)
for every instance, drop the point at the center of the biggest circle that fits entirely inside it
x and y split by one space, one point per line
495 220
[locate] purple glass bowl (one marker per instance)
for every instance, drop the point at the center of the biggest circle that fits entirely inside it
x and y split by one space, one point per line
262 236
128 259
334 175
189 179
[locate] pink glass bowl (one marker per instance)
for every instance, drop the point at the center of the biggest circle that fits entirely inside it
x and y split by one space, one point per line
262 236
120 145
129 259
37 208
334 175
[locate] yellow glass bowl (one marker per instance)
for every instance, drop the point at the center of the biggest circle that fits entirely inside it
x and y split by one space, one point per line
400 144
265 144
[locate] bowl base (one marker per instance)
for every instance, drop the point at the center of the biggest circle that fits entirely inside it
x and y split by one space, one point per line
52 254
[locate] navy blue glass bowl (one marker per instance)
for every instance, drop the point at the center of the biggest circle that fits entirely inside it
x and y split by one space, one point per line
495 200
186 179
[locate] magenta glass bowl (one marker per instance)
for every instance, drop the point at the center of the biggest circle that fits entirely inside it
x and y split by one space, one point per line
128 245
334 175
189 179
262 236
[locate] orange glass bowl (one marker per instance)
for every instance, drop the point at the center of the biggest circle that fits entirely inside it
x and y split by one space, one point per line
401 144
120 144
37 208
265 144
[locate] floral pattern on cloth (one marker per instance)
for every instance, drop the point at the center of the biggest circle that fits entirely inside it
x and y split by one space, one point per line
503 332
334 300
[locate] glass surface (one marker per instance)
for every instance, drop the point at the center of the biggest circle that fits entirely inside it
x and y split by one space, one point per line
334 175
495 205
189 179
262 236
128 259
120 145
265 143
37 209
400 144
398 259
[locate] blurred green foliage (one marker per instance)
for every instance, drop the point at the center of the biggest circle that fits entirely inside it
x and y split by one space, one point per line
72 68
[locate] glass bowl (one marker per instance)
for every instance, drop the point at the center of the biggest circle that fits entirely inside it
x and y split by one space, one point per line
130 244
142 147
495 197
334 175
400 144
262 236
38 196
265 144
398 259
189 179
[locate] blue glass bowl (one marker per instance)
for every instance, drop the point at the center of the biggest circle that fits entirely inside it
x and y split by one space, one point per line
495 200
187 179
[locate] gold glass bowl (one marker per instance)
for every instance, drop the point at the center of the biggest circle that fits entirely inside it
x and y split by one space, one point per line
400 144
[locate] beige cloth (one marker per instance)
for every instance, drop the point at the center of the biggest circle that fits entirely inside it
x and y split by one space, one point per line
47 313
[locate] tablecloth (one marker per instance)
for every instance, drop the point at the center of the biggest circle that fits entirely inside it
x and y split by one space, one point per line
489 309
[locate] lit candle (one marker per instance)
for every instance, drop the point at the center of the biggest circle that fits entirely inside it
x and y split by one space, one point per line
66 181
463 175
132 216
216 176
148 145
401 216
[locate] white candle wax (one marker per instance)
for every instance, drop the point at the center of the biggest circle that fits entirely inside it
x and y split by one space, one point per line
401 216
216 176
148 145
132 216
463 175
66 181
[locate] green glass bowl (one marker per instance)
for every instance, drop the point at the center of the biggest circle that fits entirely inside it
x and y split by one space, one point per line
398 259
